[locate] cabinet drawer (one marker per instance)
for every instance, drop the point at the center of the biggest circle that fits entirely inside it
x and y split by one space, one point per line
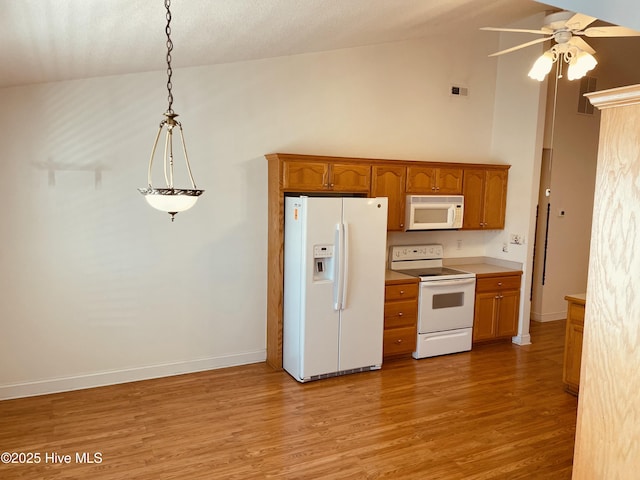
511 282
400 292
398 341
400 314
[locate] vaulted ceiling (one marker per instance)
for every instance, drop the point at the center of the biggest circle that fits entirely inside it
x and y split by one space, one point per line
53 40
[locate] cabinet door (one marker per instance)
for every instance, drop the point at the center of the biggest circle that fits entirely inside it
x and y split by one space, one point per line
350 178
473 191
421 180
573 347
507 318
449 181
495 199
305 176
389 181
484 321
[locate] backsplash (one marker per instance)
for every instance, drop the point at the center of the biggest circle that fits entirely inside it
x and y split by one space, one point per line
456 243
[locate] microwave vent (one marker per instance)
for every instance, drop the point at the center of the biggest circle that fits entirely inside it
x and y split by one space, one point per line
436 199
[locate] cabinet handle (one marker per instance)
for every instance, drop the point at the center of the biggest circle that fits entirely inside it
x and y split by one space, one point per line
433 188
399 314
499 284
332 184
401 292
399 341
437 188
497 296
402 225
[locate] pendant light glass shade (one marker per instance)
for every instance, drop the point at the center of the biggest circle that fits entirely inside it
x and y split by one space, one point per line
170 199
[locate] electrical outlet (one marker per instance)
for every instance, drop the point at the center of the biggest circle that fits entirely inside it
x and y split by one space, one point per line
459 246
505 247
516 239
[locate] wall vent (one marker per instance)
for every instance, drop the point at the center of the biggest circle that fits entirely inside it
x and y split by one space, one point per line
587 85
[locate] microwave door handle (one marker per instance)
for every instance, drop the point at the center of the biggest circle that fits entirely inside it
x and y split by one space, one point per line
448 283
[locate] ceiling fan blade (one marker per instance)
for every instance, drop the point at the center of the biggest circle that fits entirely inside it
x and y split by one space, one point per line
579 21
610 32
517 30
582 45
523 45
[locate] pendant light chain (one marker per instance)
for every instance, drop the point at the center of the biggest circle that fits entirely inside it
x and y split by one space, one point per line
170 199
167 4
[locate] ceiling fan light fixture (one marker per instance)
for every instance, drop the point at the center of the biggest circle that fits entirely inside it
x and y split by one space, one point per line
542 66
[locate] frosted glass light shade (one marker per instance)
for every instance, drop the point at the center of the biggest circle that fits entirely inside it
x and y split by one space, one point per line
541 67
580 65
171 200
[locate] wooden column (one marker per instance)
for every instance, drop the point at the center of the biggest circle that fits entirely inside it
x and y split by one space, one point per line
608 428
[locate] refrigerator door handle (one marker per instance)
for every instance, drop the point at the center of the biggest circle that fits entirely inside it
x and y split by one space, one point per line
338 277
345 268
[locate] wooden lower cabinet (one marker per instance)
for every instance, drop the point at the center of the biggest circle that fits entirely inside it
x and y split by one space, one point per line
497 306
400 317
573 343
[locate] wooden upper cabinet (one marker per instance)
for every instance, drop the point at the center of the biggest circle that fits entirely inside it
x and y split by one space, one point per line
309 176
485 198
495 199
434 180
305 176
389 181
349 177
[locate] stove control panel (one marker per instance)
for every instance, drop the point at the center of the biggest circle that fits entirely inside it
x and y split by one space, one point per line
416 252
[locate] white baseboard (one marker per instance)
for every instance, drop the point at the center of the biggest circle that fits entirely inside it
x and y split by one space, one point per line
66 384
548 317
521 339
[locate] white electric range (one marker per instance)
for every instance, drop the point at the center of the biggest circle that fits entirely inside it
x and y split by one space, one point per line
445 302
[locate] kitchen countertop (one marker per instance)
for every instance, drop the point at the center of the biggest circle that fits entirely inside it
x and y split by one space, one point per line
577 298
484 266
482 269
391 276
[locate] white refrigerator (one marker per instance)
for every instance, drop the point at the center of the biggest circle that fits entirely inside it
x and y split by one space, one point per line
334 267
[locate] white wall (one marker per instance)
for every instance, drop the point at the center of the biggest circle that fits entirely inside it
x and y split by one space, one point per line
574 145
99 288
517 140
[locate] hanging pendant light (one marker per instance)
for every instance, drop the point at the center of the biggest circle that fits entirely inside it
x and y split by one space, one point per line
170 199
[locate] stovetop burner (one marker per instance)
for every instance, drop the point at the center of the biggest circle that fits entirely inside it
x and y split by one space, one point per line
430 272
425 262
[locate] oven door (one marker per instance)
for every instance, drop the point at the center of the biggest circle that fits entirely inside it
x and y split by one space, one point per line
446 304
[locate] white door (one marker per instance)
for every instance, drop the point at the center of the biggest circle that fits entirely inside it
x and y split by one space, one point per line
362 317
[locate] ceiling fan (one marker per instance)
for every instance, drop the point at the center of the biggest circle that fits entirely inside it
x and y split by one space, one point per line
566 29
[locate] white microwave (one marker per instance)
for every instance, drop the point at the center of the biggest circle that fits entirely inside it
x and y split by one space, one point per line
434 212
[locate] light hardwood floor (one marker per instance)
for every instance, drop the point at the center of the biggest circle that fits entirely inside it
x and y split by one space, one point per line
499 411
